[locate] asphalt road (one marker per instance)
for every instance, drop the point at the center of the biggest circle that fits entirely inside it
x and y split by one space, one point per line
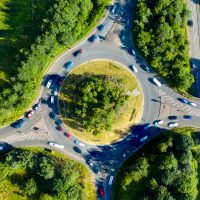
117 46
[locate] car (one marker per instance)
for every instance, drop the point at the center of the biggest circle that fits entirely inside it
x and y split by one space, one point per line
146 126
49 83
1 147
113 9
59 82
52 99
68 135
79 143
187 116
101 27
59 128
133 52
55 92
134 68
30 114
90 163
158 122
52 115
192 104
145 67
96 154
187 102
37 107
96 170
68 65
52 144
78 52
18 123
125 154
101 191
144 138
190 22
172 124
110 180
157 82
58 121
93 38
172 117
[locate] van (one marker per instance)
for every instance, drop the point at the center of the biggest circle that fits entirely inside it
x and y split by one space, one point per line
157 82
110 180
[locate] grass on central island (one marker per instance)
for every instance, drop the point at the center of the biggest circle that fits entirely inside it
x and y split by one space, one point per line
130 112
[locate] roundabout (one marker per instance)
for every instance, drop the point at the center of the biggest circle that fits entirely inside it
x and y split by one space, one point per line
157 103
126 115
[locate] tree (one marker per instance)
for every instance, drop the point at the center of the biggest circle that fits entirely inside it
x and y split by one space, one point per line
168 162
46 168
30 187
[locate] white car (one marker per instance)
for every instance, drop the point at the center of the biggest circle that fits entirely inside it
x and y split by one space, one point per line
133 52
157 82
134 68
1 148
37 106
52 144
52 99
173 124
55 92
110 180
158 122
192 104
49 83
79 143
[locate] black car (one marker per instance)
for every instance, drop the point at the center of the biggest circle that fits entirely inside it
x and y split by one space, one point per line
172 117
190 22
93 38
78 52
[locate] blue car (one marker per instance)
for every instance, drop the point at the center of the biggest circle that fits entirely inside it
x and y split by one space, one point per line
68 65
18 124
93 38
187 117
101 27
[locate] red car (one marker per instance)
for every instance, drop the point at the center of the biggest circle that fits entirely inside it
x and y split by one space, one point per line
67 135
101 191
59 128
30 114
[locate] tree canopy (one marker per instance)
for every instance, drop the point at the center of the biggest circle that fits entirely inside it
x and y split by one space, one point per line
96 102
160 34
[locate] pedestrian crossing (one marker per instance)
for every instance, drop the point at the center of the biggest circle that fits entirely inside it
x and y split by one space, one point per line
180 106
26 136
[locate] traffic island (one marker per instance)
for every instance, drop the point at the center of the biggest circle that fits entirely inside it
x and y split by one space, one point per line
100 101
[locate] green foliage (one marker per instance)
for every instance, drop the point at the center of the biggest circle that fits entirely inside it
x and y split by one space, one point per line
65 23
160 35
30 187
47 178
171 174
96 106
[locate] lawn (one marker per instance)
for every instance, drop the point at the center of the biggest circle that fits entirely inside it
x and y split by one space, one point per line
130 113
19 26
